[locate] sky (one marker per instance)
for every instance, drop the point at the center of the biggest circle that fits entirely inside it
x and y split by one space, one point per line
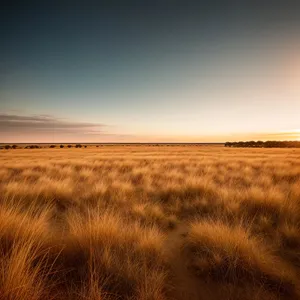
149 71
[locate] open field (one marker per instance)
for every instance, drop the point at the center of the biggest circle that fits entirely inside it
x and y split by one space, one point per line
146 222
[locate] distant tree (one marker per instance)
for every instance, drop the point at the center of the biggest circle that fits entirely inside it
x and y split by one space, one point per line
14 146
52 146
69 146
251 144
269 144
7 147
85 146
61 146
78 146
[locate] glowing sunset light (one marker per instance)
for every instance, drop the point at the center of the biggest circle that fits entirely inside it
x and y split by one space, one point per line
220 73
292 134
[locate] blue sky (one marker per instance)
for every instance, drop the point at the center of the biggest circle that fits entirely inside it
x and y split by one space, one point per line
149 71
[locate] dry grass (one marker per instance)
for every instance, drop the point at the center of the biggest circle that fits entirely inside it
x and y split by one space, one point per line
146 222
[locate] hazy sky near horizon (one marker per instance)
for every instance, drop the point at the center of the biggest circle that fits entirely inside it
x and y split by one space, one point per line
165 70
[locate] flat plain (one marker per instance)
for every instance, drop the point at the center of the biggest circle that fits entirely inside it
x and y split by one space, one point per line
150 222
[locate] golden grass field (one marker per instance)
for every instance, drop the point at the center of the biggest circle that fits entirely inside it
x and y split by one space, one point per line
147 222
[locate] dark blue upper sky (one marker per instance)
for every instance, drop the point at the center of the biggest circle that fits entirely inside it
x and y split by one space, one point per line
163 69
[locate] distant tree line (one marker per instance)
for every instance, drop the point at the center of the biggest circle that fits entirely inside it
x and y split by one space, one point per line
33 147
7 147
69 146
267 144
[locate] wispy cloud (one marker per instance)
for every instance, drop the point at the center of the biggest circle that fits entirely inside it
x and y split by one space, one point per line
46 124
44 128
18 128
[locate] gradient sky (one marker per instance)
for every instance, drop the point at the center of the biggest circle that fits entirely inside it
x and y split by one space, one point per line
147 71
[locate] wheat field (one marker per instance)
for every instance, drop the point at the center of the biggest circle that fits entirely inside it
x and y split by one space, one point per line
150 222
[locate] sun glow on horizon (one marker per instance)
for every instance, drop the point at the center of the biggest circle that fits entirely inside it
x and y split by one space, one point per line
293 134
